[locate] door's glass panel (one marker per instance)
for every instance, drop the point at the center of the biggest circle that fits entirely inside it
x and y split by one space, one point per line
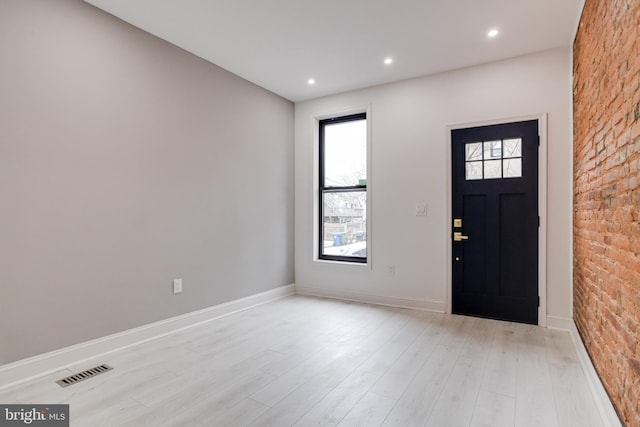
473 151
492 150
512 168
483 159
512 148
492 169
473 170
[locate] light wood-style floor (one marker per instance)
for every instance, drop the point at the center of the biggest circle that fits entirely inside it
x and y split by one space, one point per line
307 361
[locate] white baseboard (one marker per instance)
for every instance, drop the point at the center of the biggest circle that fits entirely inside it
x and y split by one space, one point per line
419 304
24 370
605 407
562 323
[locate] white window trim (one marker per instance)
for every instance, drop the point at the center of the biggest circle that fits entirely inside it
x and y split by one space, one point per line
346 111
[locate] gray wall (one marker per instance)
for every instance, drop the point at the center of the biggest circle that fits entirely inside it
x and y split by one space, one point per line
126 162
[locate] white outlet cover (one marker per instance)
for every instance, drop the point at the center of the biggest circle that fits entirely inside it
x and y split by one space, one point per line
421 209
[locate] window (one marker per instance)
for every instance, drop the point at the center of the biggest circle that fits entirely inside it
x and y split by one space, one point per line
343 189
493 159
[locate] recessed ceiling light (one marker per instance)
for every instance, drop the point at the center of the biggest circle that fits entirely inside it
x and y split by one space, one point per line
388 61
311 81
492 33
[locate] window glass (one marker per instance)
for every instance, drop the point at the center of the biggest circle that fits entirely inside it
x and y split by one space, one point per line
345 153
345 224
473 170
473 151
343 189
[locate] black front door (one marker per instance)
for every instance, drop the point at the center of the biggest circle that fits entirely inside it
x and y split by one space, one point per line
495 221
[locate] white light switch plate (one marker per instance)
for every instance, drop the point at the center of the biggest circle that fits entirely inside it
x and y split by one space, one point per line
421 209
177 286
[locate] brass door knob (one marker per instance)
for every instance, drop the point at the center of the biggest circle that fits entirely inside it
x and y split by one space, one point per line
459 237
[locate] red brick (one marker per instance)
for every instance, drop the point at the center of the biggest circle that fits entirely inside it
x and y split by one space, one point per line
606 90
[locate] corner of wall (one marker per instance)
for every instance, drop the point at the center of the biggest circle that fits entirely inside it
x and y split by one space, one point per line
37 366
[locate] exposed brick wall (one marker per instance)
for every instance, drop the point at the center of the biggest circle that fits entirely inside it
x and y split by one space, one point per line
607 196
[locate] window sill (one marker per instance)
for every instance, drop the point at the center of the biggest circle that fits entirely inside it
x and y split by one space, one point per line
341 264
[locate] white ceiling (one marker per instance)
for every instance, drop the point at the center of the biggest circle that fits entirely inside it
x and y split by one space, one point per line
280 44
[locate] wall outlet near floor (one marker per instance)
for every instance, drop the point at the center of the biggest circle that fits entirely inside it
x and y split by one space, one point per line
391 270
177 286
421 209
